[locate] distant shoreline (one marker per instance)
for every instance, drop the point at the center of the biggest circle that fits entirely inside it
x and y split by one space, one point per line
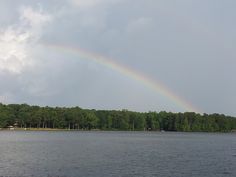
36 129
94 130
37 118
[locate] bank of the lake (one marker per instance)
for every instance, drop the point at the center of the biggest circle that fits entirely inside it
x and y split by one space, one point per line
98 130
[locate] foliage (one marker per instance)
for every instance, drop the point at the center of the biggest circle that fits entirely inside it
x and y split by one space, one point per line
26 116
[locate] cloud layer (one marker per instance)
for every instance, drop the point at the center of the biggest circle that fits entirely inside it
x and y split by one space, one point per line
191 52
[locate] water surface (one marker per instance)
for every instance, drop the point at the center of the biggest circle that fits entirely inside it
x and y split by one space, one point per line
124 154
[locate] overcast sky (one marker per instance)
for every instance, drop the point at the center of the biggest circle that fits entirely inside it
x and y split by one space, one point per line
189 45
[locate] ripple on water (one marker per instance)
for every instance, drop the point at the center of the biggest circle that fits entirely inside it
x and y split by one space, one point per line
99 154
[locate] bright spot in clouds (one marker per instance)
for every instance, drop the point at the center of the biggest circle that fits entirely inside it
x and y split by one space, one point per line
17 40
92 3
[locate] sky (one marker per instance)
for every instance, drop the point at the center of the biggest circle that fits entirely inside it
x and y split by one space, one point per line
142 55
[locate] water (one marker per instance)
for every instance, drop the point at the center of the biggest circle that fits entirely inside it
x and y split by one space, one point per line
119 154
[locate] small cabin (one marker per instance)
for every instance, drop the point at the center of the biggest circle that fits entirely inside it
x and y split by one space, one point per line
11 127
15 125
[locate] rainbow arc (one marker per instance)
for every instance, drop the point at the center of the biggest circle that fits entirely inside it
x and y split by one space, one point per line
157 86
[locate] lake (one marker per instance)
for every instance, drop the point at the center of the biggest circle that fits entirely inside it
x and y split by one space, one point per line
118 154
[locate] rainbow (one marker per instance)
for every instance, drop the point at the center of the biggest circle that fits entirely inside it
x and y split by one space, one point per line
157 86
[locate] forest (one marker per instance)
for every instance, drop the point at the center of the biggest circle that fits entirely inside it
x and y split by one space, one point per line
76 118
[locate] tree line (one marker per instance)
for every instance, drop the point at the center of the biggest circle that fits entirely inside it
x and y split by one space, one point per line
26 116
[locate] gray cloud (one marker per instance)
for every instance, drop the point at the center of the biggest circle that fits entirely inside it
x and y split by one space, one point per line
190 49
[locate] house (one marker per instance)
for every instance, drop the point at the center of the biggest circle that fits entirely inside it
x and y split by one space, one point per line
15 125
11 127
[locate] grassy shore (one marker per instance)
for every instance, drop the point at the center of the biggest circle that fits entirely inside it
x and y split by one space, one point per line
58 129
34 129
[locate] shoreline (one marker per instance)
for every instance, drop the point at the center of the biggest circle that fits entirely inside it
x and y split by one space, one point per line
98 130
33 129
